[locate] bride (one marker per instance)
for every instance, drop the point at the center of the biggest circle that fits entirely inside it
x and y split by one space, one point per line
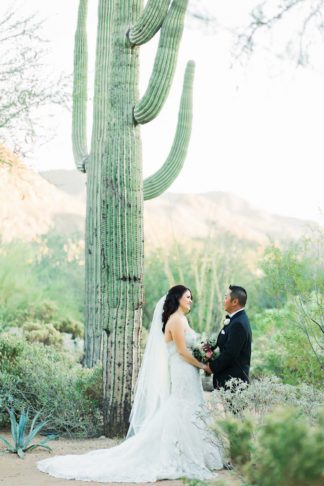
167 437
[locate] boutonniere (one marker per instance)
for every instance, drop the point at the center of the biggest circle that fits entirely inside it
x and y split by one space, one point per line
227 320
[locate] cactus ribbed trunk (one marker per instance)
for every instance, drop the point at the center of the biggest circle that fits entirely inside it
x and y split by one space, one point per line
115 187
114 224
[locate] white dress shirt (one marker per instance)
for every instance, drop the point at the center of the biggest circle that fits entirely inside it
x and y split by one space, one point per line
239 310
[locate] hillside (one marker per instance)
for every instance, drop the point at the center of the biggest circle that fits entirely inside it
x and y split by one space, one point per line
34 203
31 206
191 216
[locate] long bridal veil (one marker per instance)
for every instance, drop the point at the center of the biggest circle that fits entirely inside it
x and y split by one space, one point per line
153 384
167 438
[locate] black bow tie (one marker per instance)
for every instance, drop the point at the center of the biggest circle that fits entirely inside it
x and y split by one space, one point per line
227 316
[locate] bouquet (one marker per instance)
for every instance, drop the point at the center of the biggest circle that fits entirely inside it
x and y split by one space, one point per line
205 351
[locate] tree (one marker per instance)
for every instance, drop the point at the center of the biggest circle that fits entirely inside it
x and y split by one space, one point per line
25 83
115 189
301 22
199 12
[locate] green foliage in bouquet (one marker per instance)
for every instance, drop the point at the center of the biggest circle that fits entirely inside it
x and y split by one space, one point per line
205 351
22 441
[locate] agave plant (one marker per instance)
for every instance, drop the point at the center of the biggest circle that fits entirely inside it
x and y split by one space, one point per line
22 442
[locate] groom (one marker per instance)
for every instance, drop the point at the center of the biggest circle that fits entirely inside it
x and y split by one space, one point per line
234 341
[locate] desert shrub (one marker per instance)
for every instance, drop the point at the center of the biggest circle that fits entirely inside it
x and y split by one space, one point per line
293 270
70 326
264 395
281 347
239 438
289 451
10 351
59 269
40 332
287 272
18 285
45 380
276 433
285 449
45 311
42 281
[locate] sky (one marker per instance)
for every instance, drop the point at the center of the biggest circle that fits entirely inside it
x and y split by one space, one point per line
257 127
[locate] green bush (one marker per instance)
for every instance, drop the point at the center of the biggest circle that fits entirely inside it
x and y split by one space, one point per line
282 348
42 379
284 449
70 326
40 332
295 269
239 435
276 435
289 451
10 351
41 281
262 396
18 286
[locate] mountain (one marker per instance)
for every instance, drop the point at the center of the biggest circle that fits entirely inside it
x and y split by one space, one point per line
34 203
176 217
31 206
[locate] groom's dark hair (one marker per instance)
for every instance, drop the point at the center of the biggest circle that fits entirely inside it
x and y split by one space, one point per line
238 293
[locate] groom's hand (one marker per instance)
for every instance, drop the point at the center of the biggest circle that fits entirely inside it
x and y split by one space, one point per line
207 369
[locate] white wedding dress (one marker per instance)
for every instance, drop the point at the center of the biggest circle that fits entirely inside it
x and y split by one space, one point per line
174 443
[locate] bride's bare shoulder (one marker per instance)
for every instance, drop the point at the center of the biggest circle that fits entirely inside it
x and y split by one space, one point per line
176 320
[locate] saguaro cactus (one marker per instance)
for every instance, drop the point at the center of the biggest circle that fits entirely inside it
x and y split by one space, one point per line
115 188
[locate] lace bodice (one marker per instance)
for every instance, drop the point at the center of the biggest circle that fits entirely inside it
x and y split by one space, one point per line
185 378
190 338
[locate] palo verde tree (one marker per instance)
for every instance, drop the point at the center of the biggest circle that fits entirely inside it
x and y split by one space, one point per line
115 187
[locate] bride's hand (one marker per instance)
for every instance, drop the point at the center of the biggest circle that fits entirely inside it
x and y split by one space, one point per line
207 369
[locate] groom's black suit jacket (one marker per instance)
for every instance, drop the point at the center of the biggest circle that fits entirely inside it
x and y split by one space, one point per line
234 342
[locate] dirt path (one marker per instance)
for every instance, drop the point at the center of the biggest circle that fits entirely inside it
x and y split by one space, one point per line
23 472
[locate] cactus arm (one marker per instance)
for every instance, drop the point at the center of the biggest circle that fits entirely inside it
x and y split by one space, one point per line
79 113
149 22
164 177
164 66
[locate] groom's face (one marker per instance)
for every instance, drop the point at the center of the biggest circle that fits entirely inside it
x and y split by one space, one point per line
230 304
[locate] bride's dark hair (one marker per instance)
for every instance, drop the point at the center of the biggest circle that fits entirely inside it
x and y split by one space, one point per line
171 303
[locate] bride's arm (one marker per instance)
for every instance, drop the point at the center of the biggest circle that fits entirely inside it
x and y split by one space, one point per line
178 335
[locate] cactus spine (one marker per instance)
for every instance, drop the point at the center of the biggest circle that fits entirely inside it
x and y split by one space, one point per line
115 187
